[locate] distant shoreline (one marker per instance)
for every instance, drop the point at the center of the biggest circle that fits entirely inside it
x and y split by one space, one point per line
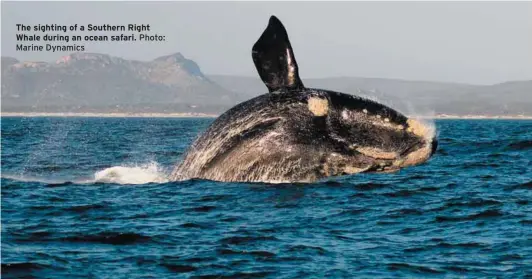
515 117
206 115
105 114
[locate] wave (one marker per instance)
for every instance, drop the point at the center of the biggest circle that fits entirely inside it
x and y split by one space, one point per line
413 268
490 213
21 267
143 174
151 172
520 145
113 238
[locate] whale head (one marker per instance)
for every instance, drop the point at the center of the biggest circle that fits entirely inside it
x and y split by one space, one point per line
385 136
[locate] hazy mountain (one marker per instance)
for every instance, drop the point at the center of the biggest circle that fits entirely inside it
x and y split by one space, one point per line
509 98
90 82
98 82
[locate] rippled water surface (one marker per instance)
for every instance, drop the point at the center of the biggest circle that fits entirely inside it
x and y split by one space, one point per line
89 198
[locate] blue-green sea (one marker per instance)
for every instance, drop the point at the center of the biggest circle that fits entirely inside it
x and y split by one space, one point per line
90 198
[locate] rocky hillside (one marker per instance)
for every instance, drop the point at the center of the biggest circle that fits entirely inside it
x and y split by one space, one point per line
89 82
414 97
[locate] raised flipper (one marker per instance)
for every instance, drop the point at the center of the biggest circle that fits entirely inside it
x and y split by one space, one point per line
274 59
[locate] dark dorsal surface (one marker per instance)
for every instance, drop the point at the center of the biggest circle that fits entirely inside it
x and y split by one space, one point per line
302 134
274 59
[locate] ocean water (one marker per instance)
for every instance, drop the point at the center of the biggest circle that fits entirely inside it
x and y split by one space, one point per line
89 198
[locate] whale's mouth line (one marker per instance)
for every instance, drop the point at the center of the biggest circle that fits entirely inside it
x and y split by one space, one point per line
390 164
410 149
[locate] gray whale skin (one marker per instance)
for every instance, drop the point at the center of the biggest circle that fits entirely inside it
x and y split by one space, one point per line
295 134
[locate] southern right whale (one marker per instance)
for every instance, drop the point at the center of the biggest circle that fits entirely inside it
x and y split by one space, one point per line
299 134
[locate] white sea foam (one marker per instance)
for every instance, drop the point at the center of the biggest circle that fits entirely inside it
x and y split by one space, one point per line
124 174
138 174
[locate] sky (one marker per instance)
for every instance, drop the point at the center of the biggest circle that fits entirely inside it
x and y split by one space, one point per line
464 42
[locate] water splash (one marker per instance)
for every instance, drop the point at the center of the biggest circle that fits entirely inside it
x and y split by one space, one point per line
138 174
126 174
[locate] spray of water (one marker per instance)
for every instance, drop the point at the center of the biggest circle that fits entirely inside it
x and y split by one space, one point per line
125 174
424 115
137 174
